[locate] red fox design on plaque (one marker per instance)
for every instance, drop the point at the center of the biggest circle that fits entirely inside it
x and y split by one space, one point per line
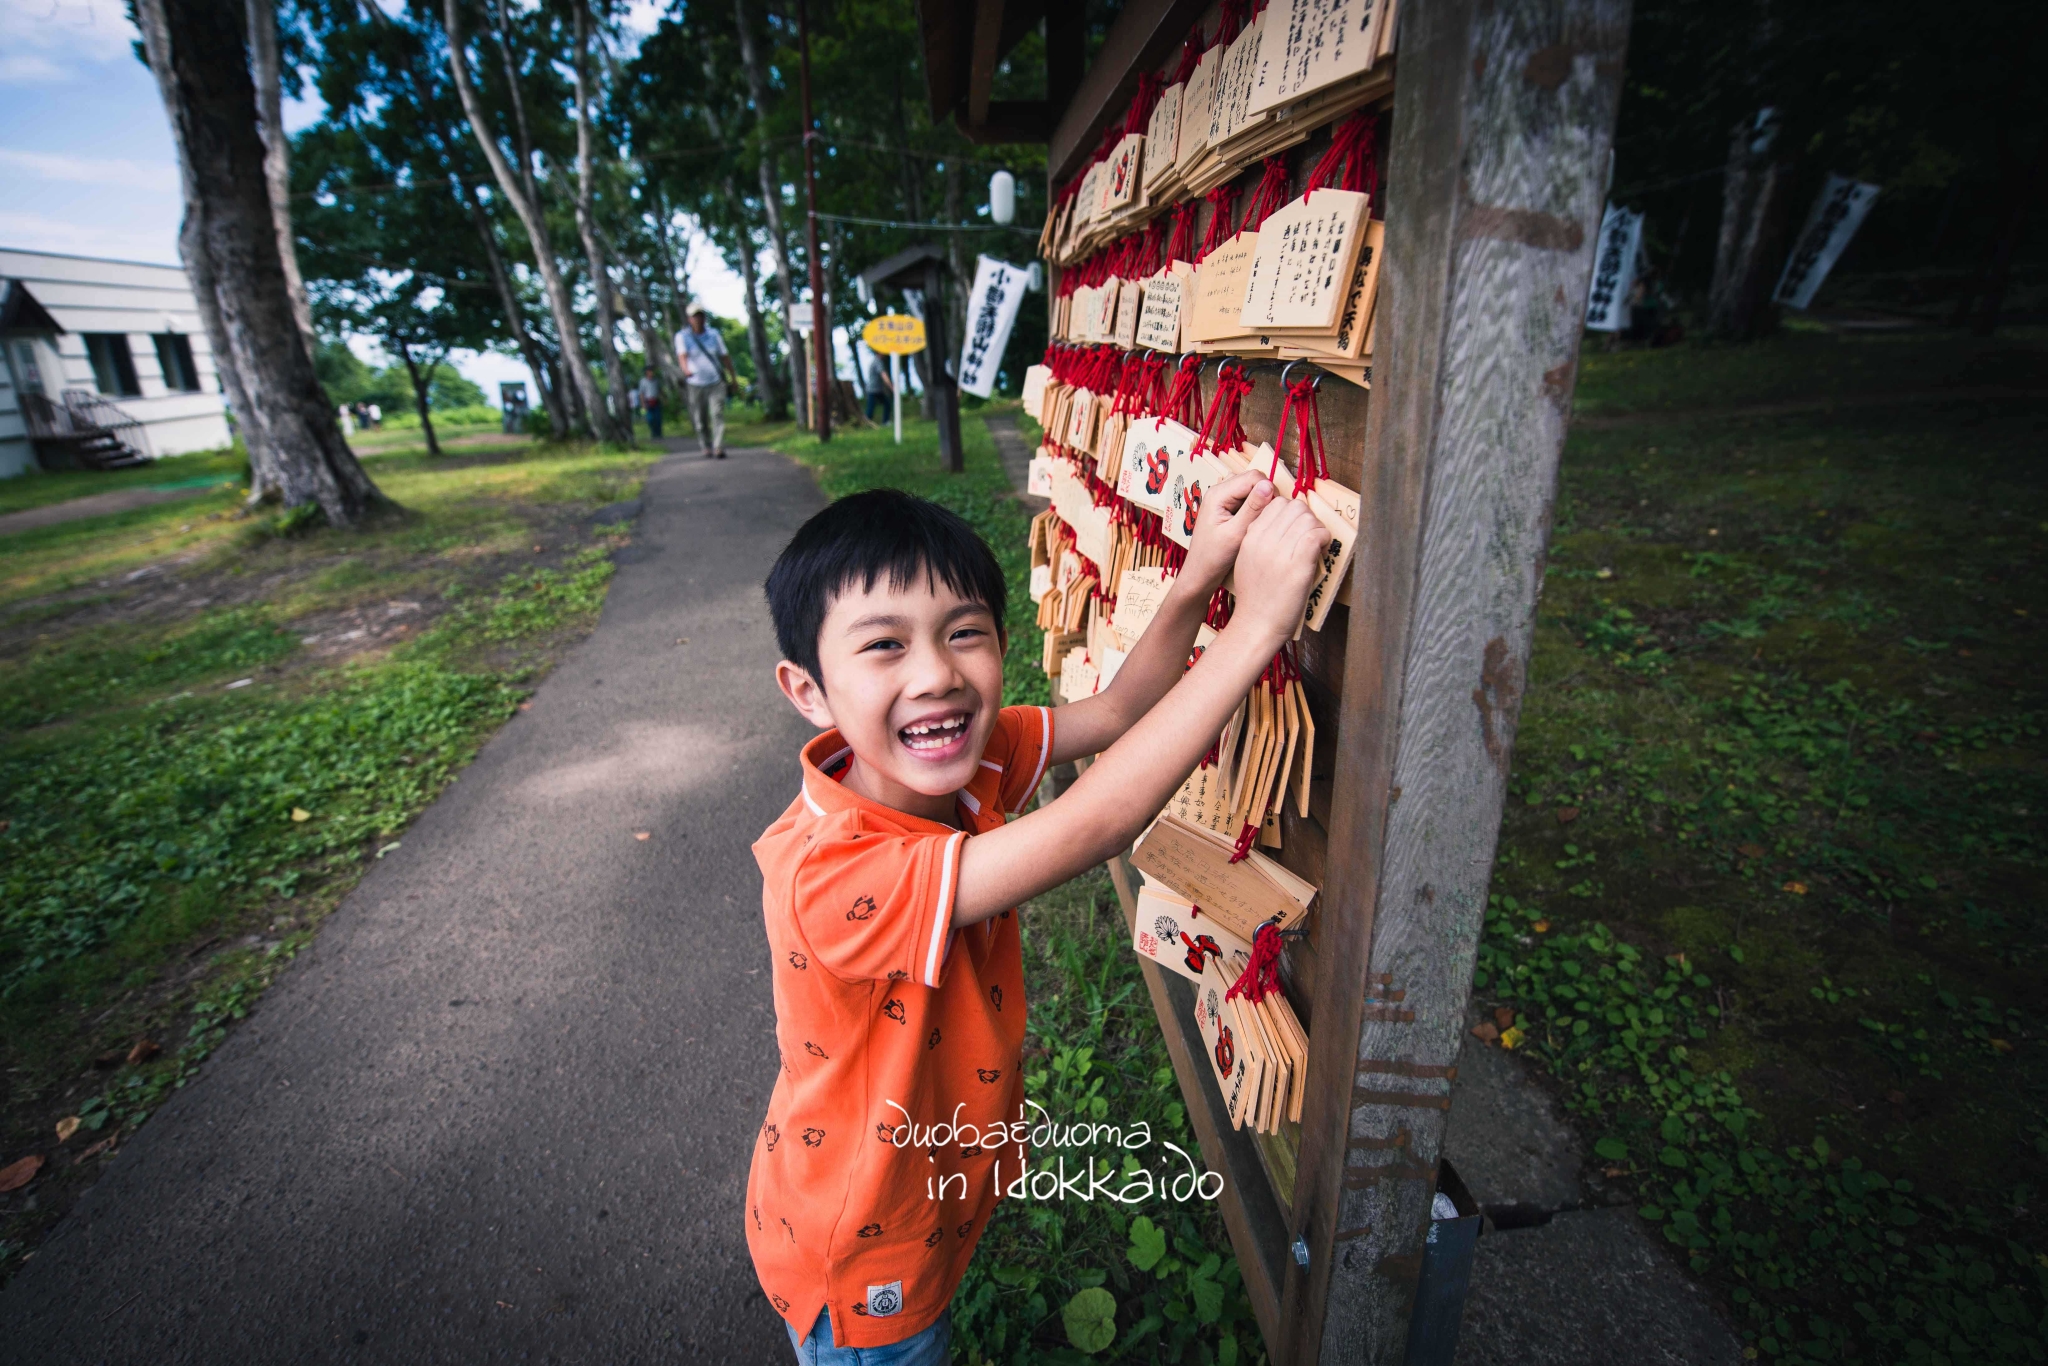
1226 1050
1187 521
1198 945
1155 470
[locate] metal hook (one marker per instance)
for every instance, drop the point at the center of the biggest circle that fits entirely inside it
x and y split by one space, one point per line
1286 370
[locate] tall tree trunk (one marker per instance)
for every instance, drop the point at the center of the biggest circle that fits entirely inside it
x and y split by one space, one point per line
619 416
199 55
268 71
772 408
515 312
422 392
913 204
2022 186
956 257
771 204
530 217
1756 193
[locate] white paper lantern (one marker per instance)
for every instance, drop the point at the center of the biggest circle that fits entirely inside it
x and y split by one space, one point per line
1002 197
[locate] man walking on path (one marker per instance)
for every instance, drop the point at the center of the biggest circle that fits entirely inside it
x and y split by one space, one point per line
704 358
649 394
879 388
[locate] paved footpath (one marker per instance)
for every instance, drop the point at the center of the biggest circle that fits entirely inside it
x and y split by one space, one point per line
501 1109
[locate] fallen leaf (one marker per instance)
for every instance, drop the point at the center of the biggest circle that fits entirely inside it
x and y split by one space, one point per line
1509 1038
388 848
16 1175
1614 1171
300 814
144 1050
526 706
240 683
1896 1097
2002 1045
111 1058
1796 888
642 834
1603 573
66 1127
1567 814
682 640
537 549
1750 850
1541 927
1504 1017
1485 1032
96 1149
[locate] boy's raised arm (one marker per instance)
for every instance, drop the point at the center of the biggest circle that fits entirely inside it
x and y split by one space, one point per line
1093 724
1276 546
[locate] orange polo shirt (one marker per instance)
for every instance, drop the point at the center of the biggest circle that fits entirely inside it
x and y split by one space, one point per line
886 1016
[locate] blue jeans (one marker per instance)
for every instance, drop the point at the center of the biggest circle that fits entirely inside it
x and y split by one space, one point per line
932 1347
653 411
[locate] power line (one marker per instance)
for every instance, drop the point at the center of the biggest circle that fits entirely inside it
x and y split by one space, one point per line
927 227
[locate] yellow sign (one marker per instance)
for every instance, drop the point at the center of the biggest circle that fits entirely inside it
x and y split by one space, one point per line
893 334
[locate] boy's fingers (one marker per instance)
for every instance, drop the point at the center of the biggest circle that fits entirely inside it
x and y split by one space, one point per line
1235 490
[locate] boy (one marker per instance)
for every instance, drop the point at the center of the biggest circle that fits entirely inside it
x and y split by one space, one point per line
897 971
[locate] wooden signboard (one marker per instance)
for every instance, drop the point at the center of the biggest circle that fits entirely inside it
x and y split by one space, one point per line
1447 314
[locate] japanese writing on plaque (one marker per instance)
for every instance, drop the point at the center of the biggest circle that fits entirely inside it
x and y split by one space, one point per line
1310 44
1303 265
1614 270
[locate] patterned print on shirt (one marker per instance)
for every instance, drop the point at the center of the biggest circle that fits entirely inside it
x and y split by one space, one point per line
863 907
798 961
988 1075
932 1239
781 1305
933 1040
995 993
894 1010
814 1050
869 1231
772 1134
962 1230
813 1137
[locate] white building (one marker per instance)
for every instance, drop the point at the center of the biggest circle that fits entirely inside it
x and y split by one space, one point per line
107 363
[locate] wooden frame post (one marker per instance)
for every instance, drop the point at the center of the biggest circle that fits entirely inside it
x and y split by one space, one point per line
1503 119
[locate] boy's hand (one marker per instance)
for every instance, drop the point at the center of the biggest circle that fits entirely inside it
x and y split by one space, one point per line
1277 563
1228 511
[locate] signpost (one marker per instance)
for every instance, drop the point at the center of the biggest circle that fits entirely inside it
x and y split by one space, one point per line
895 336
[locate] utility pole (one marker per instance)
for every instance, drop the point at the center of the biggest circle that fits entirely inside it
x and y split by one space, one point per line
821 327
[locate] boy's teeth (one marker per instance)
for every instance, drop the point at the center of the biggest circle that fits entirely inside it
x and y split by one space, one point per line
939 731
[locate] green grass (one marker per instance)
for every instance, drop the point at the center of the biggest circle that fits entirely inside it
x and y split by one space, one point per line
186 787
1769 894
39 488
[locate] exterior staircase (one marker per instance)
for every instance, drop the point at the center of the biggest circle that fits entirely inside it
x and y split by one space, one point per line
84 431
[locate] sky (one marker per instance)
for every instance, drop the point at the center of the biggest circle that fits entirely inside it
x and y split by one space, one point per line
89 167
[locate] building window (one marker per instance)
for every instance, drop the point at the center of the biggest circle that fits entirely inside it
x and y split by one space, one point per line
174 354
113 365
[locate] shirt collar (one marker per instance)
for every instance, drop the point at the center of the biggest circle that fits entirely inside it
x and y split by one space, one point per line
824 761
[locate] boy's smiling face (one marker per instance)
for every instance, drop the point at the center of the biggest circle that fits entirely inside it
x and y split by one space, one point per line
913 679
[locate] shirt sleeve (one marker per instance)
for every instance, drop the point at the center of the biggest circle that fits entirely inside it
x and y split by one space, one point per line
878 905
1025 733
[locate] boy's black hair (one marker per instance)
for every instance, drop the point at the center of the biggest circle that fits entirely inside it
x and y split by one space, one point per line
859 539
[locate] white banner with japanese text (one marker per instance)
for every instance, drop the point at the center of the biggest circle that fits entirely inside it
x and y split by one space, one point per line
991 313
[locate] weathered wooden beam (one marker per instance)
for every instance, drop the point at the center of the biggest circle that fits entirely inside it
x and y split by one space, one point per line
1143 37
1502 124
981 65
